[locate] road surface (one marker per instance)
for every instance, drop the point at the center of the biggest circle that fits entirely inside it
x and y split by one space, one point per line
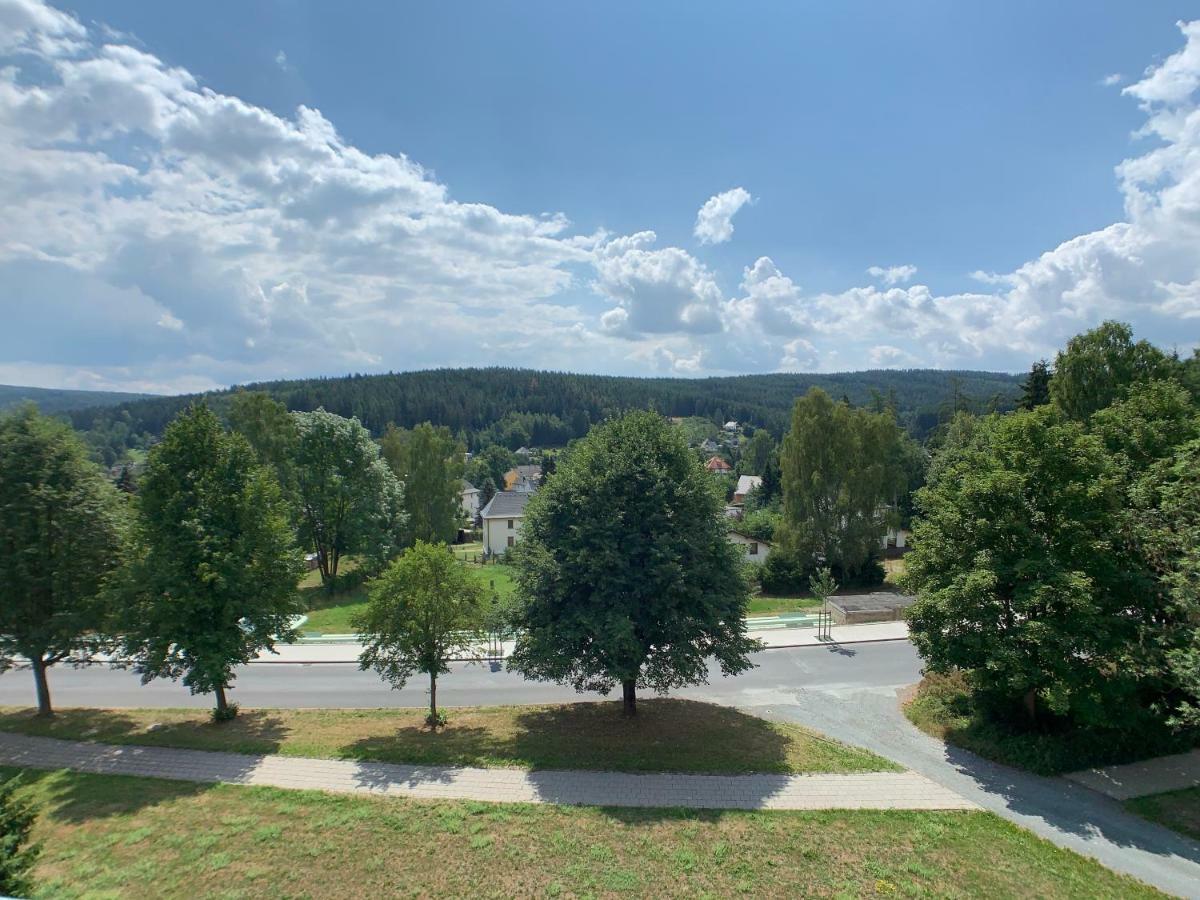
882 666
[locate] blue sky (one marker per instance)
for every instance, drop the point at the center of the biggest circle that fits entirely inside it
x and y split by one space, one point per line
476 184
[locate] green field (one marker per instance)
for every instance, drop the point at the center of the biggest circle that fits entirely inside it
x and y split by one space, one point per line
667 735
111 836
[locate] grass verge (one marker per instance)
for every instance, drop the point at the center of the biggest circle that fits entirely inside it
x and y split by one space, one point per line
774 606
667 735
114 836
1178 810
333 613
944 707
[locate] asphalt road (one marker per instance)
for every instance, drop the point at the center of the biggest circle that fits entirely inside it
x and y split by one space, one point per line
777 673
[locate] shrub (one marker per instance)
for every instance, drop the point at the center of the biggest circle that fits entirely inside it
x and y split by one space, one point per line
17 854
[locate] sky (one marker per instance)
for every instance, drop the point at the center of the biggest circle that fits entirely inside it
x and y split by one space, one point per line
198 195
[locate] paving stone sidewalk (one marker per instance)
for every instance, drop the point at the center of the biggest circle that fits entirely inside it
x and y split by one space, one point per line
1151 776
874 790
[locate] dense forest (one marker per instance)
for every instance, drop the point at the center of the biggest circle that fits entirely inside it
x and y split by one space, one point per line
517 407
55 400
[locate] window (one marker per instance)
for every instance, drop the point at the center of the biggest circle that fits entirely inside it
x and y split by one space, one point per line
753 548
510 525
510 540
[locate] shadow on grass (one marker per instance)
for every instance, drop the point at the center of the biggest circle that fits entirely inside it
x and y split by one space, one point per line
77 798
253 731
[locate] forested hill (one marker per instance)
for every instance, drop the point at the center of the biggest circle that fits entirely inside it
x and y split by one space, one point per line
522 406
54 400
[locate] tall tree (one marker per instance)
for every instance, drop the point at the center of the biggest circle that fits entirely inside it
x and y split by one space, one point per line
841 467
1035 389
1098 365
350 501
429 461
1020 580
61 527
270 429
424 610
626 576
757 455
212 582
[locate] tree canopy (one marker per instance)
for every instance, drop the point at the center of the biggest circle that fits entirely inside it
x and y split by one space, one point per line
212 579
61 529
841 468
424 610
429 463
350 500
624 570
1098 365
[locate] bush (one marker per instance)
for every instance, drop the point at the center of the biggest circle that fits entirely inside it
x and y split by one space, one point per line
947 707
228 714
787 572
17 855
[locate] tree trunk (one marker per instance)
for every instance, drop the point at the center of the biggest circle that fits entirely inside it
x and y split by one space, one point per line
43 686
1030 701
629 690
433 713
222 704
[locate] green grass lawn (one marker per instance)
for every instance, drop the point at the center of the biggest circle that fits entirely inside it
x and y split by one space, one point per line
773 606
113 836
943 707
667 735
1178 810
332 613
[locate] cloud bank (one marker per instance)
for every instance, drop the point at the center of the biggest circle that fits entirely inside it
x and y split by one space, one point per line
160 235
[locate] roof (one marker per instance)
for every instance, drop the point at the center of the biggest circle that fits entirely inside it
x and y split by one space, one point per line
731 425
529 471
749 537
469 488
506 505
747 483
716 464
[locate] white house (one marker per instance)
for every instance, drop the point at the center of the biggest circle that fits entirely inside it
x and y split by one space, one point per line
470 499
502 519
731 426
756 550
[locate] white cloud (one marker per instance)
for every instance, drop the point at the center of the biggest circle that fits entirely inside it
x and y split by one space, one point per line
714 221
160 235
1112 80
658 291
892 274
281 60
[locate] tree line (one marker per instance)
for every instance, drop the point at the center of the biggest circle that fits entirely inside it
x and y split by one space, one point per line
196 572
521 407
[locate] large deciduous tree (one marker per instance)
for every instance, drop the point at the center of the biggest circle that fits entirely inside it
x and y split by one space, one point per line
212 581
429 462
271 431
625 573
841 469
350 501
61 528
1022 579
1098 365
424 610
